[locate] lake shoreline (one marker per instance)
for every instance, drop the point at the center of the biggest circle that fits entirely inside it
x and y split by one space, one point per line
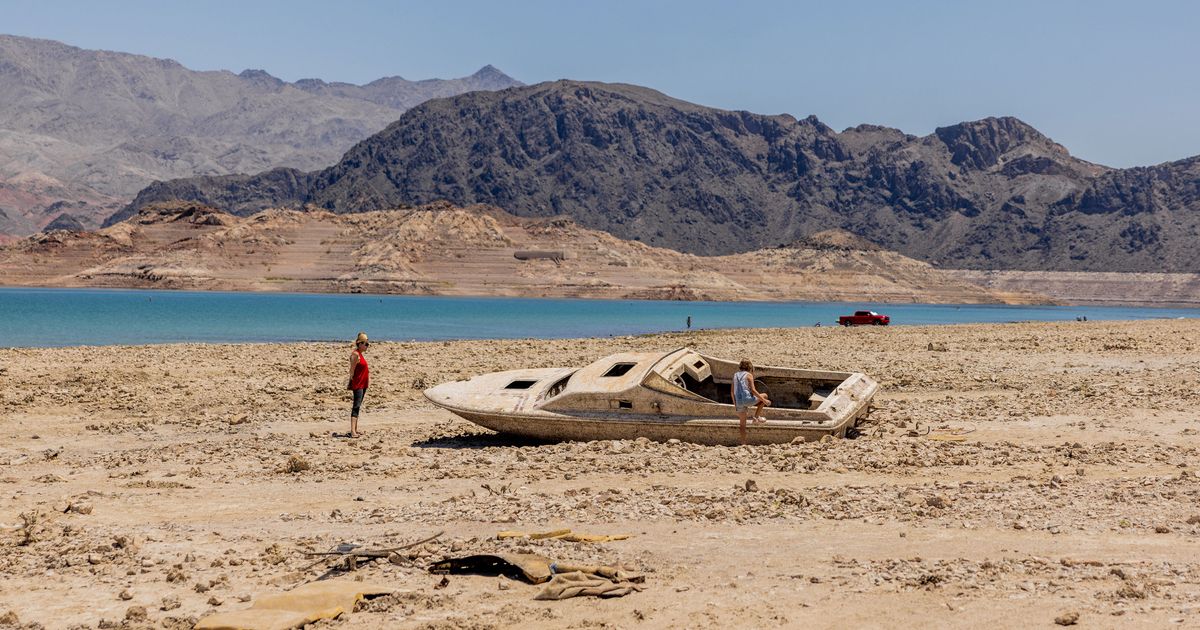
99 317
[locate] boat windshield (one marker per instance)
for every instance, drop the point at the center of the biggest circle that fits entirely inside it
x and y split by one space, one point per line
558 386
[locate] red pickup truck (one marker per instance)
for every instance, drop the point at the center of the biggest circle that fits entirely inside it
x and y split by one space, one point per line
864 318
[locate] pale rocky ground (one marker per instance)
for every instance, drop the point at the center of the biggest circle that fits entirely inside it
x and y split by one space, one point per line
155 477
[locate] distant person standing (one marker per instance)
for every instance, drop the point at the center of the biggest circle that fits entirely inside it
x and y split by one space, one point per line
744 395
689 322
360 376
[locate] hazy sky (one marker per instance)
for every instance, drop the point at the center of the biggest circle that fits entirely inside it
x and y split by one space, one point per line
1115 82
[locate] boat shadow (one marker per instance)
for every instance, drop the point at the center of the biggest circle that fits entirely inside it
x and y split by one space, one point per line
477 440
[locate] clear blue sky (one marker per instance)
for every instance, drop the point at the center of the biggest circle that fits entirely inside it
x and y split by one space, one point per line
1115 82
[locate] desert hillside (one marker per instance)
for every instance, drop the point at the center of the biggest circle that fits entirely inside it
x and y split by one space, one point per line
987 194
1107 288
440 249
81 131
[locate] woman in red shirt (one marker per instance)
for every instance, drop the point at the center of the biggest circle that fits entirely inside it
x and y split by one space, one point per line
360 376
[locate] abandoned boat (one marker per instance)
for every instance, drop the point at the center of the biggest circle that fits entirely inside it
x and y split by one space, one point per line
680 394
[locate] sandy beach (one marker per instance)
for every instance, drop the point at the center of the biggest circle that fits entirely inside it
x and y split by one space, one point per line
1011 475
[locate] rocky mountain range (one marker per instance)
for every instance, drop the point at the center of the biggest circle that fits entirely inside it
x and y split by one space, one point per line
81 131
445 250
986 194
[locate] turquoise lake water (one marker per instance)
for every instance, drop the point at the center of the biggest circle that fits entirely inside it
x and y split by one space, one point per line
66 317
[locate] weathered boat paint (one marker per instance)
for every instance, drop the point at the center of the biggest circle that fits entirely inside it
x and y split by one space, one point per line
679 394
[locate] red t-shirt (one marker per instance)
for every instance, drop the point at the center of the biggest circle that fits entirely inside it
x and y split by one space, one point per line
362 374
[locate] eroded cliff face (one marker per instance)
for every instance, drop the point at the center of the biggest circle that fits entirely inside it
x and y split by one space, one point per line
993 193
446 250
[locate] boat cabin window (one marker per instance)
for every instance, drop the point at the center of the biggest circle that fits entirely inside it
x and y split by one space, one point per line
624 404
699 365
620 369
520 384
558 387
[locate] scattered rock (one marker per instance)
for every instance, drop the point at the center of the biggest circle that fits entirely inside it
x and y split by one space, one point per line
296 464
939 501
136 613
1067 619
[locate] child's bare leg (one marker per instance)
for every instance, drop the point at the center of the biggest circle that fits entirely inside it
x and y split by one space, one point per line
763 401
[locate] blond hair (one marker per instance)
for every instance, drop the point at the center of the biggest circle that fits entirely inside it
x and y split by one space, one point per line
746 366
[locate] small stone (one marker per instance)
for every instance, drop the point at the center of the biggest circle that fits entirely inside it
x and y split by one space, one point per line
214 601
1162 529
169 603
395 558
125 595
503 585
939 501
135 613
1067 619
95 558
1194 519
10 618
751 485
244 597
200 587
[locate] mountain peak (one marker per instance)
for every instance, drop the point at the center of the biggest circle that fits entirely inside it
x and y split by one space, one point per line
493 77
980 144
261 77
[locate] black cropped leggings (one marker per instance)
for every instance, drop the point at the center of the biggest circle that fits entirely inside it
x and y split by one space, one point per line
358 398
